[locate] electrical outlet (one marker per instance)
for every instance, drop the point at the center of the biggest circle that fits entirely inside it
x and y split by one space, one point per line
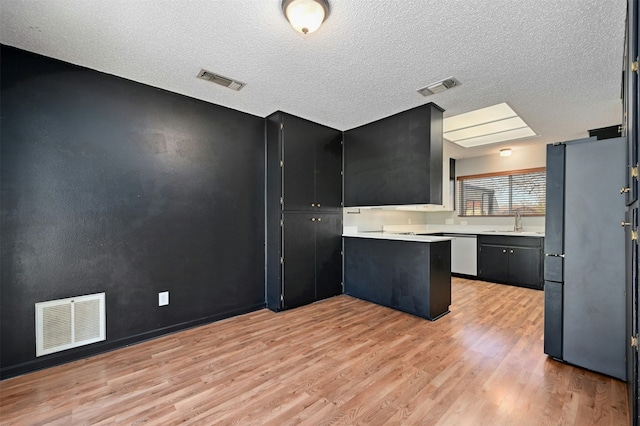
163 298
409 220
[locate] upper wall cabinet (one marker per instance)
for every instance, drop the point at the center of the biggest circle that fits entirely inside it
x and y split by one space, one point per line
448 188
396 160
310 157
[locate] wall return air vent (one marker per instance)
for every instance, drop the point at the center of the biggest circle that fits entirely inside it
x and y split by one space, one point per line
221 80
69 323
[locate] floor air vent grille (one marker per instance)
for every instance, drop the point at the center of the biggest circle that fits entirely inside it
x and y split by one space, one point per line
68 323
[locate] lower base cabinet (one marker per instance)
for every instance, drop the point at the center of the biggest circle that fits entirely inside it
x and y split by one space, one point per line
410 276
511 260
311 261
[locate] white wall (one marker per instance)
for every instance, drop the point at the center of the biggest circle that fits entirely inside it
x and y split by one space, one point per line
521 158
373 219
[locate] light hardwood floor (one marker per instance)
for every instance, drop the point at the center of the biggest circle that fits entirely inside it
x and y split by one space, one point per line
339 361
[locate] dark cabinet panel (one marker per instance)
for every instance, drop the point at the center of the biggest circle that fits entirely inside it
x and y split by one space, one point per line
328 261
298 170
524 266
312 164
493 263
299 287
511 260
413 277
631 118
312 261
328 169
304 220
395 160
631 90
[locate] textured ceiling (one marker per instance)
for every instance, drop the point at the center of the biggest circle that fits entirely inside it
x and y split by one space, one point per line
557 63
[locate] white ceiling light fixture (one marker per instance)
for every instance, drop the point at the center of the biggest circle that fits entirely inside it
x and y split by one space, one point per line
497 123
506 152
305 16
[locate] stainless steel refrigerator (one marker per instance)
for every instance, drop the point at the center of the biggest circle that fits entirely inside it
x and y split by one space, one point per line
584 268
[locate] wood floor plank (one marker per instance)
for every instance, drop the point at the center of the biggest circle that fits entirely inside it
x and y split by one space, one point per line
339 361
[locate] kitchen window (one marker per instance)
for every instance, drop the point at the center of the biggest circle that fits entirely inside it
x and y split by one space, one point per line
503 193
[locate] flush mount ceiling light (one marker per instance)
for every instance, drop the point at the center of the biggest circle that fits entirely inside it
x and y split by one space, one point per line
497 123
305 16
506 152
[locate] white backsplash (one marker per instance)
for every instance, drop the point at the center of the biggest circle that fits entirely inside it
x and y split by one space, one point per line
374 219
367 220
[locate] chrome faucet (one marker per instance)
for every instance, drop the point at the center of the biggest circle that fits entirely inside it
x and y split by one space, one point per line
517 227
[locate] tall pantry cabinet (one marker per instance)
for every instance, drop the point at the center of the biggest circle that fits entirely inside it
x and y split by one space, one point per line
303 211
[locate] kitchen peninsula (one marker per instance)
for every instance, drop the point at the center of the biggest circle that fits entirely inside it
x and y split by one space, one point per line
410 273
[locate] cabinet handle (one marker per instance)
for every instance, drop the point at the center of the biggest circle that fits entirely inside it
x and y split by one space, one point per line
554 255
319 219
504 251
318 204
313 205
313 219
625 224
624 190
511 251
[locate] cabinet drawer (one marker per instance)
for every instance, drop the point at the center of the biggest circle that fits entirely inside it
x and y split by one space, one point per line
506 240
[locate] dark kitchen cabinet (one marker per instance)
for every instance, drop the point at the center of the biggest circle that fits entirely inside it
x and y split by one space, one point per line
493 263
311 164
510 260
396 160
311 264
303 211
410 276
631 118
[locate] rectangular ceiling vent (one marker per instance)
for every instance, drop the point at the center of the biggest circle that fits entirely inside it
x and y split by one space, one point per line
69 323
439 86
221 80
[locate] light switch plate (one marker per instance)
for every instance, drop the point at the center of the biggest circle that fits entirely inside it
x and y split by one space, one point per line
163 298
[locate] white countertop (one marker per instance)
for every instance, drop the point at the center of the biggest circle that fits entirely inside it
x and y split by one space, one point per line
397 237
532 231
399 232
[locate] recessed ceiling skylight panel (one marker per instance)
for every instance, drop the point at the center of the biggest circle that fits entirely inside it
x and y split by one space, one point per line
497 123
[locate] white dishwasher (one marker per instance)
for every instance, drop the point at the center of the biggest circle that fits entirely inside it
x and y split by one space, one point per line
464 254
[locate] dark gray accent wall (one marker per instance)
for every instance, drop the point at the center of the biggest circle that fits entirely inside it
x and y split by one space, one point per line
117 187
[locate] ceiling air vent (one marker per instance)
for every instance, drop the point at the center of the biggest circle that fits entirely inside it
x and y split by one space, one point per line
222 81
439 86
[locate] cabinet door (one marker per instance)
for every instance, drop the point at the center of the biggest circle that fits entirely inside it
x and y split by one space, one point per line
631 88
298 172
396 160
298 283
524 266
328 229
493 263
328 168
